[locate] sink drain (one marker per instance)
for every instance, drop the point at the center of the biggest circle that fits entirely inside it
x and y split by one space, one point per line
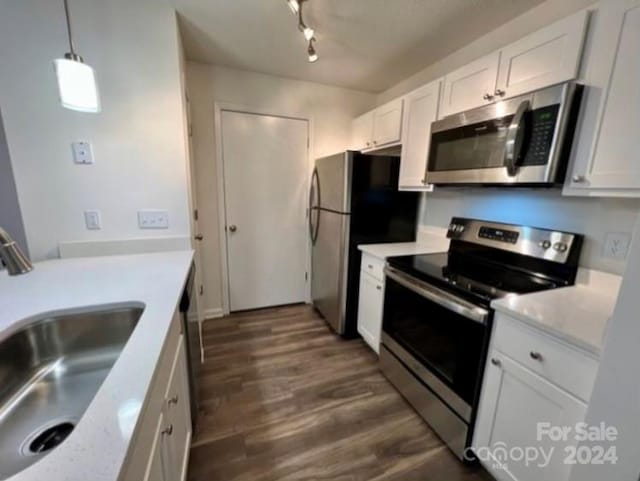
50 438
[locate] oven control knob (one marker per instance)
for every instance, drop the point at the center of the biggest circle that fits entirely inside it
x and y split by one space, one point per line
545 244
560 246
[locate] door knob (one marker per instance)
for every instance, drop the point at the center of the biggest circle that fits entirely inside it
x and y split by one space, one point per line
578 178
487 97
198 237
500 92
233 228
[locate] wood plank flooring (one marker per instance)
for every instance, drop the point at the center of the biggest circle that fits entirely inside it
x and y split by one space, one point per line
283 398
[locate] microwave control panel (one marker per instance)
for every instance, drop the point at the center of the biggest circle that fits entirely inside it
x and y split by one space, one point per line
540 130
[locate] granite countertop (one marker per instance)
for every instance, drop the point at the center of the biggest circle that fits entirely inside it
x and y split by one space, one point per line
98 446
577 314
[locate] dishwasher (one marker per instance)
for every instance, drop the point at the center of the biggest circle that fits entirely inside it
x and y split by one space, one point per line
191 329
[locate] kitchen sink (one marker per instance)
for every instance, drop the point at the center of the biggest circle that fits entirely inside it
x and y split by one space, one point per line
50 370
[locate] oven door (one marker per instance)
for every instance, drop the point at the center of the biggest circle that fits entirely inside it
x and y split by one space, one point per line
515 141
441 338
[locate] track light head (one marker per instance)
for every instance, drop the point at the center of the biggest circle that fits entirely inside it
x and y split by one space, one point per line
313 55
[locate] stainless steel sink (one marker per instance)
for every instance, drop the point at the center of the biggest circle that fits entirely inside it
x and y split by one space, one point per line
50 370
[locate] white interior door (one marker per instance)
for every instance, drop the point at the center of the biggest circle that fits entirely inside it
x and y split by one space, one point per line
266 185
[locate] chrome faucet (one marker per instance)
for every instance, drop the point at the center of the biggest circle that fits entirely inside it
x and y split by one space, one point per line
12 256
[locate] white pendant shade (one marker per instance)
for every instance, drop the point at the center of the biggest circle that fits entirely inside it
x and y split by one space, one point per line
77 85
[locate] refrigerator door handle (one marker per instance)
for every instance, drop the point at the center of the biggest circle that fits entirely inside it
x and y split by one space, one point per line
314 210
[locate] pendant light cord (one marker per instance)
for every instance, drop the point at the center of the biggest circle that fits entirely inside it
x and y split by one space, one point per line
68 17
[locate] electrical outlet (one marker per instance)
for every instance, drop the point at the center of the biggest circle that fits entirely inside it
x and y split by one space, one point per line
153 219
92 219
616 245
82 152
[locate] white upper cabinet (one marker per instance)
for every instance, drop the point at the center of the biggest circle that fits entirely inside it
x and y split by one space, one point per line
387 123
421 109
606 161
378 128
546 57
470 86
362 132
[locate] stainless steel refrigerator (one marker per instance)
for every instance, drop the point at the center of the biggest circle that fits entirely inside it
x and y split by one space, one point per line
353 200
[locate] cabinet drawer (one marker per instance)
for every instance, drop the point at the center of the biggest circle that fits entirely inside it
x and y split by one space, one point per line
563 365
373 266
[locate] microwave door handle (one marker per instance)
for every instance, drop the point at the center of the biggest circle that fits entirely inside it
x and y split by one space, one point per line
440 297
515 134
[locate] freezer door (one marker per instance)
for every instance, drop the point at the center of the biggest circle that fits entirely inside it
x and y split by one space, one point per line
329 268
334 182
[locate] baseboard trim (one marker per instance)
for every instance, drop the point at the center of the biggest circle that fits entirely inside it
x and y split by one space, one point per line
213 313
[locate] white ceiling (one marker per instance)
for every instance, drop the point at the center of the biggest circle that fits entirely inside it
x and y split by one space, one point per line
363 44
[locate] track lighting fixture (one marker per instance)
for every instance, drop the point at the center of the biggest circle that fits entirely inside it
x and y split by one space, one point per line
294 6
313 56
308 32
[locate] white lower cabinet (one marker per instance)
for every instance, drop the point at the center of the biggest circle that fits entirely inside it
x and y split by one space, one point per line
371 300
160 447
518 407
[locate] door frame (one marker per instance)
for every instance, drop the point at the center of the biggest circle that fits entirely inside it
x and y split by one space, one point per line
218 108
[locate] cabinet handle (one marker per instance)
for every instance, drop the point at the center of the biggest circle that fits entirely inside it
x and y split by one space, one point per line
379 288
536 356
488 97
496 362
500 92
578 178
173 400
370 266
368 144
168 430
375 142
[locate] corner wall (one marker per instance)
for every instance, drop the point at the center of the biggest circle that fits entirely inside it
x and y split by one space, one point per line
137 139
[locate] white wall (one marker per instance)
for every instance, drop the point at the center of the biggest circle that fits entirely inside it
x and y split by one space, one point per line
540 208
138 138
331 109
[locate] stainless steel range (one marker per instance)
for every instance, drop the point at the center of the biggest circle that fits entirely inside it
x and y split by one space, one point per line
437 315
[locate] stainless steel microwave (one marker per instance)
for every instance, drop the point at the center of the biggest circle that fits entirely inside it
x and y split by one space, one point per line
524 140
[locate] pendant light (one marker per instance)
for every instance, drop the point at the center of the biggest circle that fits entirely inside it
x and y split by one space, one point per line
76 80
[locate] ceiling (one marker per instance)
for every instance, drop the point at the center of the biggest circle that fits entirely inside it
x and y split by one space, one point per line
363 44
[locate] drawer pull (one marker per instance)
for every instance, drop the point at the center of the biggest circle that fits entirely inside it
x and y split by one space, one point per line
379 288
173 400
168 430
370 266
536 356
496 362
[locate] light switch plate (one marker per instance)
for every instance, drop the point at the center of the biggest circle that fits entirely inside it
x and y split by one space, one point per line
153 219
82 152
616 245
92 219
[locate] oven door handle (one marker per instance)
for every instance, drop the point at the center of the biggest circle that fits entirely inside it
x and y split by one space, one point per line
515 135
443 298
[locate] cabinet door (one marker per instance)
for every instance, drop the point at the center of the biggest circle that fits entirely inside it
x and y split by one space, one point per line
513 401
421 108
178 416
605 160
547 57
470 86
362 132
387 123
370 304
155 467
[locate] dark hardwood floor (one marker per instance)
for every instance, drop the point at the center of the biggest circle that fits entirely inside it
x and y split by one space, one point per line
283 398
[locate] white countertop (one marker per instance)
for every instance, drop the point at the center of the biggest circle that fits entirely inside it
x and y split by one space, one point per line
578 314
383 251
97 447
